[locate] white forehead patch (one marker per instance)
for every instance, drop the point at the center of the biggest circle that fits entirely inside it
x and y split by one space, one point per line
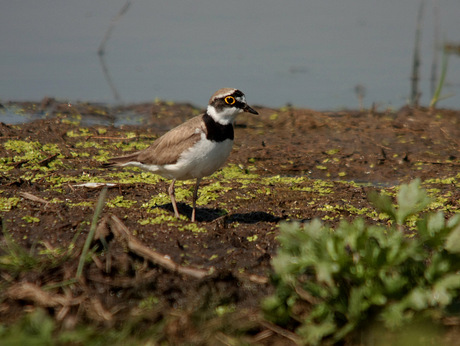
241 99
222 93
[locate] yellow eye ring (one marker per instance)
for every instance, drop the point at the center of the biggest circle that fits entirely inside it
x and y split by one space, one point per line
229 100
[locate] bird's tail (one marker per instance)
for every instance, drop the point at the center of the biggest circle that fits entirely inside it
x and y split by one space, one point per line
120 160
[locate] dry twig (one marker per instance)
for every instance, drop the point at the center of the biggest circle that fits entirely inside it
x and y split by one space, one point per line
282 332
34 198
31 292
121 231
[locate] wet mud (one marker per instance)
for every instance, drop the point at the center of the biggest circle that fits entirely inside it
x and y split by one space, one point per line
287 164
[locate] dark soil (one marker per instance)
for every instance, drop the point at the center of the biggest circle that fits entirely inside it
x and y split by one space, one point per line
229 259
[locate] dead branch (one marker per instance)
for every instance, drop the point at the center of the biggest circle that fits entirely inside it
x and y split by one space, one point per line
31 292
101 50
121 232
96 311
47 160
34 198
282 332
415 93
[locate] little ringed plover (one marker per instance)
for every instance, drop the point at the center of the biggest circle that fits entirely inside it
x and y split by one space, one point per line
194 149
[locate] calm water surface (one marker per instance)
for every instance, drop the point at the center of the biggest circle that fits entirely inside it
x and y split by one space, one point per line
308 53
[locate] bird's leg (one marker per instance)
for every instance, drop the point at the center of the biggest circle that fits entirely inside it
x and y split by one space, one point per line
173 197
195 197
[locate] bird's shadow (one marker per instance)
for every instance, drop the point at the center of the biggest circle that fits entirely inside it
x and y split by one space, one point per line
211 215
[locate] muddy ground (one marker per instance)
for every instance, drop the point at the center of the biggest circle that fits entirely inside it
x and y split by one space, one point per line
203 282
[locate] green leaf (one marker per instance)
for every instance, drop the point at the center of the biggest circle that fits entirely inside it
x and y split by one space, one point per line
383 203
411 200
436 223
313 332
325 272
393 315
417 299
393 282
445 289
358 302
453 239
358 274
439 265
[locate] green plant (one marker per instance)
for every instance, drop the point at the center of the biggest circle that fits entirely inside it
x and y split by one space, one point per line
437 93
329 281
92 231
15 258
35 328
38 328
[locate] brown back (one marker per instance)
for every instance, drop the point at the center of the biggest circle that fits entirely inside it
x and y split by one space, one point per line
168 148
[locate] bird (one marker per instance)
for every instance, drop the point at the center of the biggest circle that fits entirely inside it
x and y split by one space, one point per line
194 149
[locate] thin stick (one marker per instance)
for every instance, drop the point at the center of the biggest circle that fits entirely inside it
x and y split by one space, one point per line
92 230
32 292
34 198
101 50
124 9
415 94
434 64
282 332
437 93
121 231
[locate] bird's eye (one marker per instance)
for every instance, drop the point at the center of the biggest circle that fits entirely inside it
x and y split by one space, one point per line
229 100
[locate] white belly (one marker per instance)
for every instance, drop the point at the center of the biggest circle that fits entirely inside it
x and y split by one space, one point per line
203 159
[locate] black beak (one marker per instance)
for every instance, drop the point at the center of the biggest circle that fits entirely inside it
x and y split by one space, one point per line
249 110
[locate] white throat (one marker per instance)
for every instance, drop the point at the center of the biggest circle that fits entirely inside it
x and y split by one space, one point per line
224 117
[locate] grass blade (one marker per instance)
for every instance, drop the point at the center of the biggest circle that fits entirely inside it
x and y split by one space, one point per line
92 230
437 93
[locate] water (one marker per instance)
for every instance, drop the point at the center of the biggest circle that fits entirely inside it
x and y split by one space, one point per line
307 53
